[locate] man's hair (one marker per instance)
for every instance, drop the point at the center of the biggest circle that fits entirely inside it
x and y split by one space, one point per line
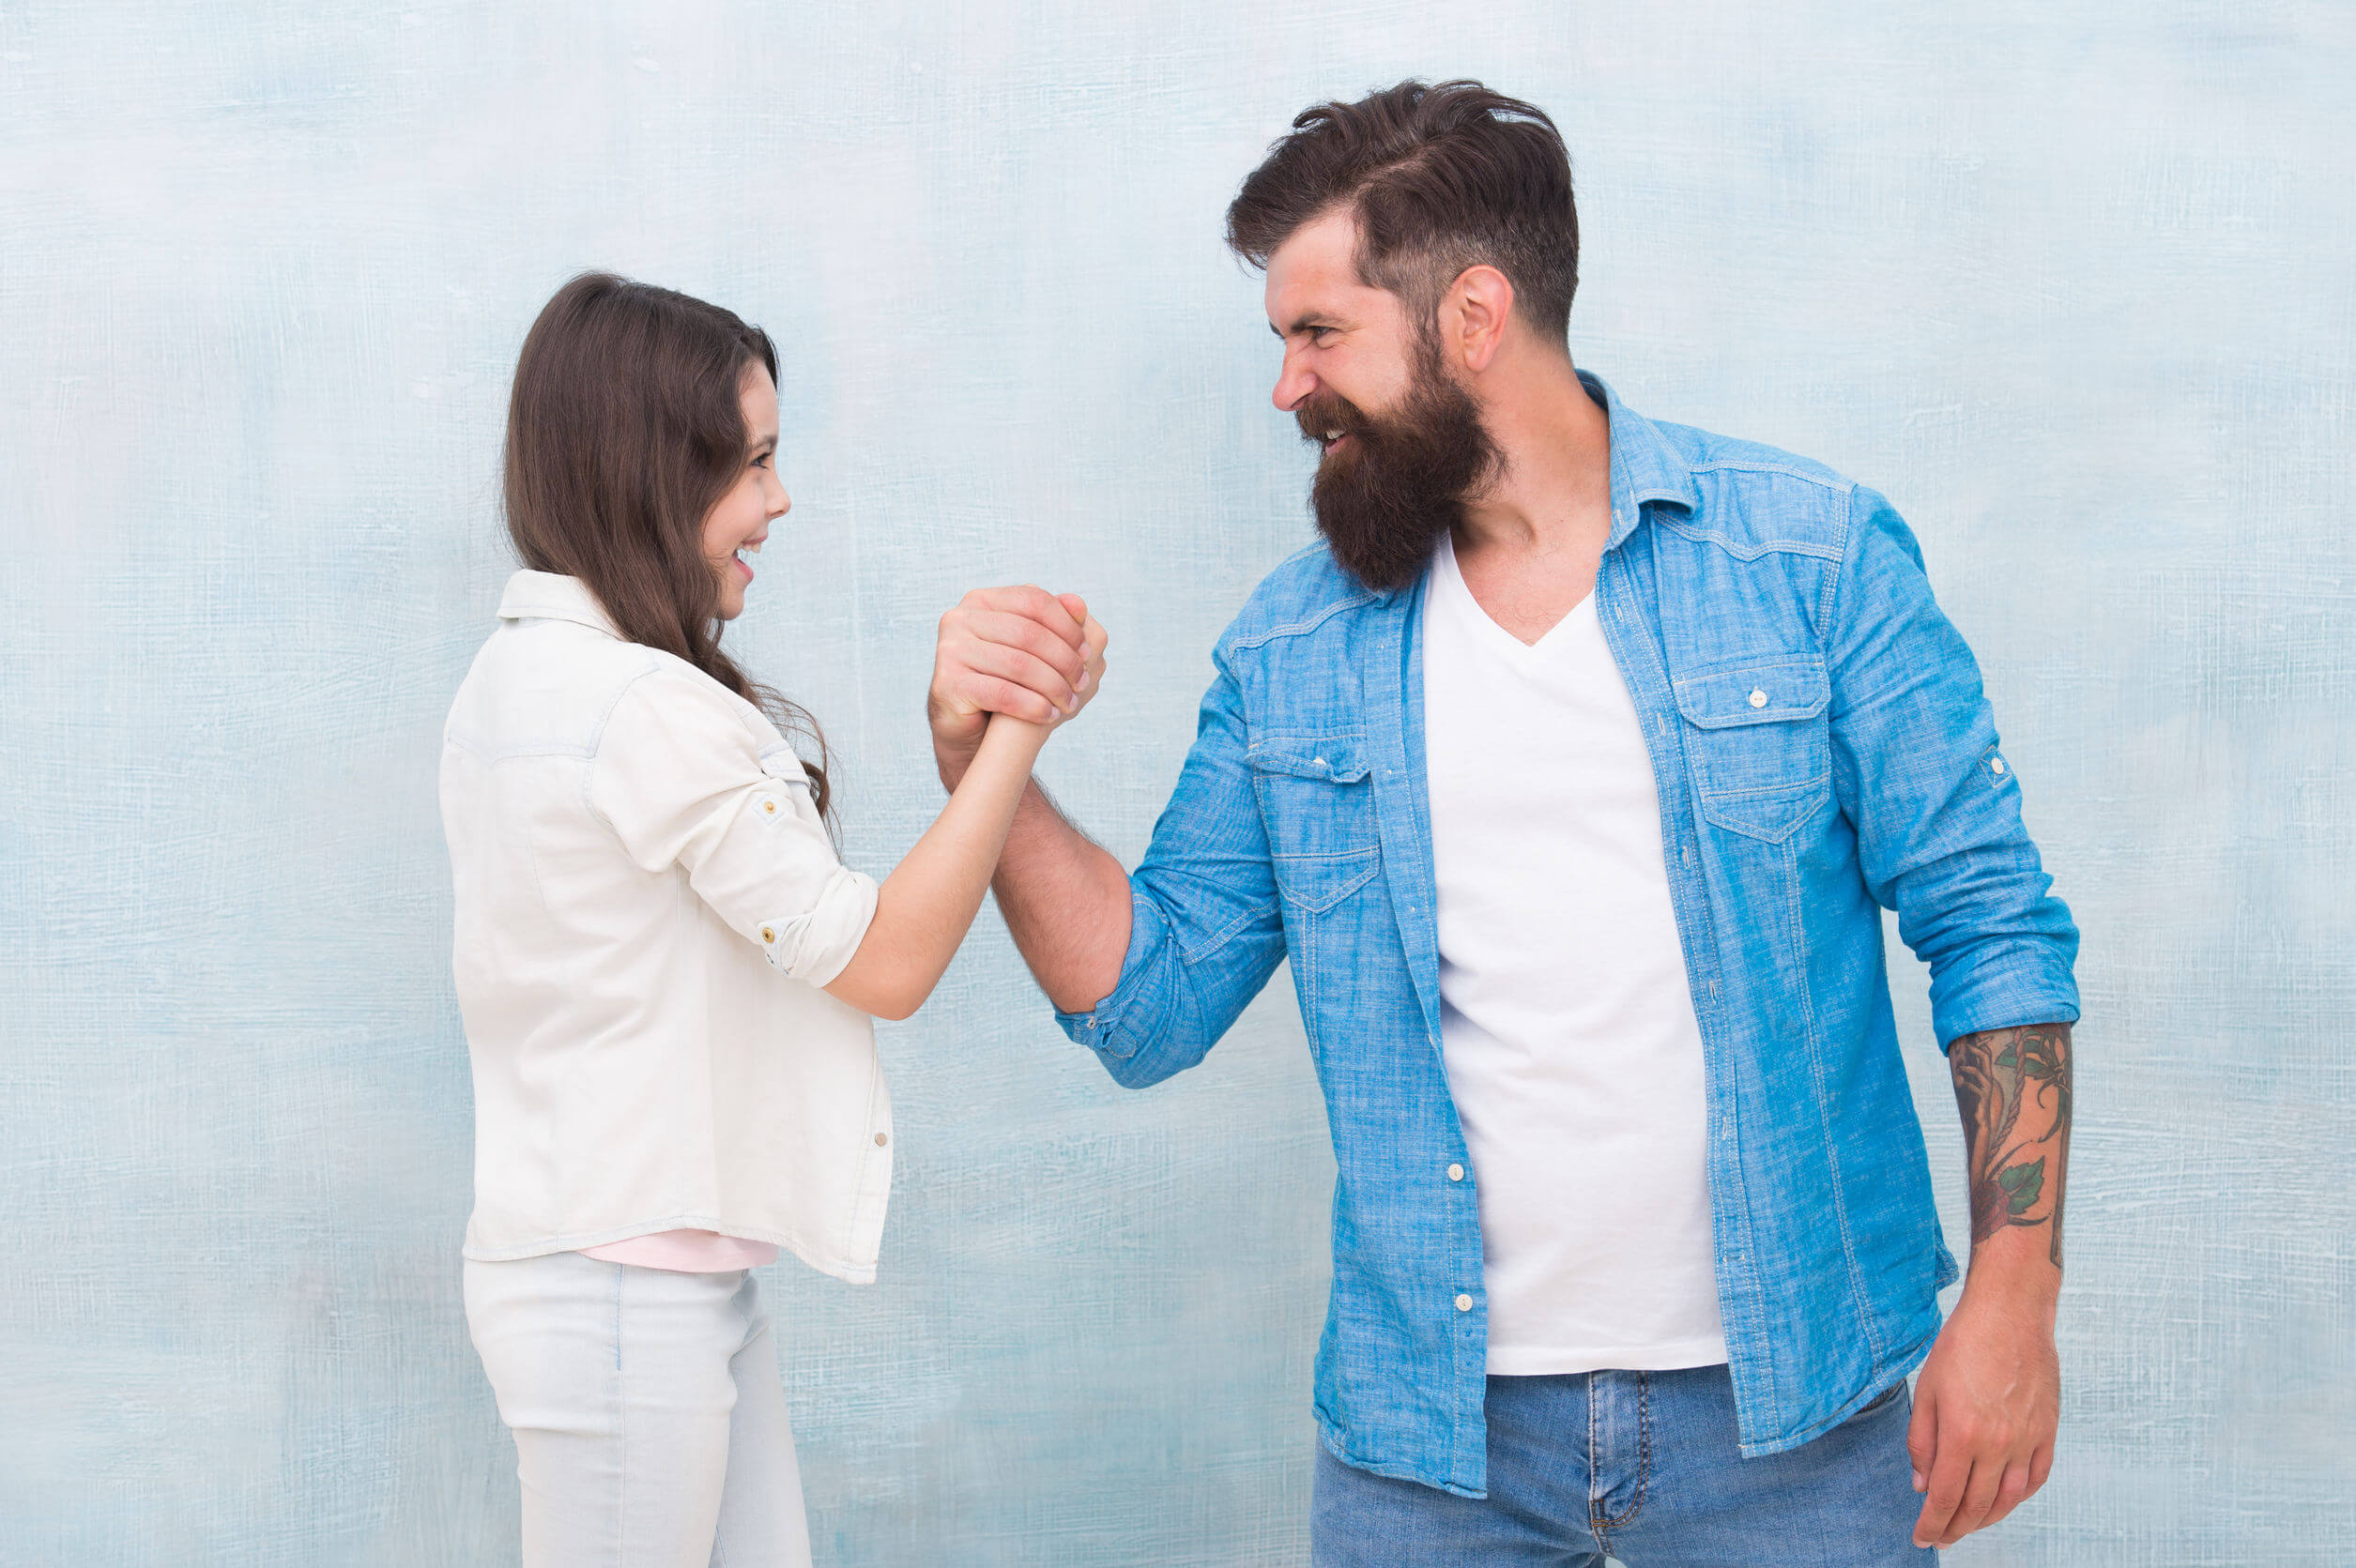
1440 178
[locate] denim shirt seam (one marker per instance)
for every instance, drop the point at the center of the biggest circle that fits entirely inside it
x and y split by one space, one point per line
1798 929
1757 1372
1754 552
1192 957
1691 903
1857 1293
1837 581
1756 466
1833 573
1255 641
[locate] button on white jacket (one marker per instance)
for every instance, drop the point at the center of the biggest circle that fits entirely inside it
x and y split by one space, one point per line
647 906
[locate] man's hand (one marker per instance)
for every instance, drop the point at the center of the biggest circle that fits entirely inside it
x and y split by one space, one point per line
1039 656
1989 1399
1984 1410
1020 651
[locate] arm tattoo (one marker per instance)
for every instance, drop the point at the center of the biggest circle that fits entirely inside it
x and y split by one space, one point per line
2012 1086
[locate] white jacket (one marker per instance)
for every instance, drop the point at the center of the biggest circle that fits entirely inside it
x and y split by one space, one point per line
647 905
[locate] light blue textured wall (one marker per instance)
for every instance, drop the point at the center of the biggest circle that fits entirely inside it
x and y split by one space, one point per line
2070 284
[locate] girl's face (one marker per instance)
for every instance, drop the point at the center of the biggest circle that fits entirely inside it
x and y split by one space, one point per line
738 525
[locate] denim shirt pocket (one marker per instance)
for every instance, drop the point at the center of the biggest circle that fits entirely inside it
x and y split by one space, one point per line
1318 806
1757 741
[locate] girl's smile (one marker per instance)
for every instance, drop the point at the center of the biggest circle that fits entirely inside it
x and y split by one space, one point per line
738 524
750 547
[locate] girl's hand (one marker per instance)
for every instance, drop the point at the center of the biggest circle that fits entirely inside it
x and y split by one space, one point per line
926 907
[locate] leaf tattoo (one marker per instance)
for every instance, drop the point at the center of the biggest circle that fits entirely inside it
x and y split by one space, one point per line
2003 1079
2022 1184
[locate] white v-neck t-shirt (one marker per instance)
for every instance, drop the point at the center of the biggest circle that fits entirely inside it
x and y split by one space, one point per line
1567 1026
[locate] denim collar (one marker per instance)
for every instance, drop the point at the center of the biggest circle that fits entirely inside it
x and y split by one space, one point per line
1644 467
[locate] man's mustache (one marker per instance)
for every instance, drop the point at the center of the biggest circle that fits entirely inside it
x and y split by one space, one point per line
1324 417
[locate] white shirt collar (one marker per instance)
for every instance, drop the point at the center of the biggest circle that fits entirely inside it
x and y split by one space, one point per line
549 596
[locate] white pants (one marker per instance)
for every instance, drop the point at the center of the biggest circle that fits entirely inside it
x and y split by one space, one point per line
651 1427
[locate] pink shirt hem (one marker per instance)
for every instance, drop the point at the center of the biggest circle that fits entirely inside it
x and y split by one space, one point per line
687 1252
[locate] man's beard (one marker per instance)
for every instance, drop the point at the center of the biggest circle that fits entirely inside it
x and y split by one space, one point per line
1384 500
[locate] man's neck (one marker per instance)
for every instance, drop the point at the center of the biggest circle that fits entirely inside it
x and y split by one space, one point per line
1530 546
1553 493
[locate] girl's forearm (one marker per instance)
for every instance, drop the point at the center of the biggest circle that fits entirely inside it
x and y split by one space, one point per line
926 907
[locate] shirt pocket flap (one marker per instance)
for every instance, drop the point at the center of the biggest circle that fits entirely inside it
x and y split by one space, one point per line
1755 692
1328 758
1318 811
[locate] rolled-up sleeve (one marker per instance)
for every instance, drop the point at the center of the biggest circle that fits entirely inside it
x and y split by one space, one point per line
1936 803
679 775
1206 932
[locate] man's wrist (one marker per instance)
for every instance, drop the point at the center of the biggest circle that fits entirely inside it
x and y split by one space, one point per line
2012 1268
951 765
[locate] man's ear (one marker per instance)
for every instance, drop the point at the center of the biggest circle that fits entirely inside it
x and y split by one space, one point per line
1478 306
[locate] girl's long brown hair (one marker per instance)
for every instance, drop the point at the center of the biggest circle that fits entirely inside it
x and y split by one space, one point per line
624 430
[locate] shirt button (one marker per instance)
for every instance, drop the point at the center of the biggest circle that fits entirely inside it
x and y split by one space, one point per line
1996 767
1456 1173
1758 699
882 1138
1464 1303
769 934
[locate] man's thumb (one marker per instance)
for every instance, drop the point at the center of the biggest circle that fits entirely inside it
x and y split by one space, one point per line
1922 1433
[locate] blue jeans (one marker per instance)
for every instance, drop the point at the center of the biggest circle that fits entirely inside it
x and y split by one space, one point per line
1642 1467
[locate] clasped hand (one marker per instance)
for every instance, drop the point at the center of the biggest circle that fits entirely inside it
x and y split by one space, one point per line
1021 651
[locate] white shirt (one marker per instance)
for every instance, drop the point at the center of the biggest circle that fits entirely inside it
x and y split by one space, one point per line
646 907
1567 1024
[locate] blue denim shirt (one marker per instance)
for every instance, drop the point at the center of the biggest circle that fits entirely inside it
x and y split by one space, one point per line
1823 751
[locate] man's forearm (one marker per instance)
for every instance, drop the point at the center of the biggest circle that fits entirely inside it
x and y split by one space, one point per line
1989 1399
2012 1086
1066 904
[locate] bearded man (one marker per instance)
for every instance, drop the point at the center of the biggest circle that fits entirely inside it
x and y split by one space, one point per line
1571 770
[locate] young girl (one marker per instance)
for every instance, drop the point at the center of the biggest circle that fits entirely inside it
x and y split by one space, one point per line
666 974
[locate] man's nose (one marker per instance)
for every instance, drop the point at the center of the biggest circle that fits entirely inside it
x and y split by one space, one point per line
1292 385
